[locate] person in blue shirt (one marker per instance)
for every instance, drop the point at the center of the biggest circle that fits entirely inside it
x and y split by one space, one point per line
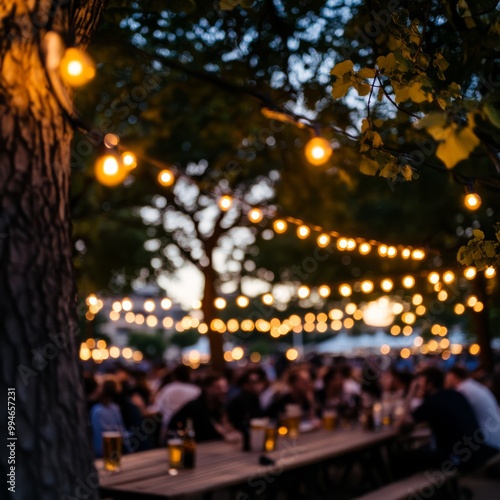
106 416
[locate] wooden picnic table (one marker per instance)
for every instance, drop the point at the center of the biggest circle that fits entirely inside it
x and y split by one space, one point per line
222 465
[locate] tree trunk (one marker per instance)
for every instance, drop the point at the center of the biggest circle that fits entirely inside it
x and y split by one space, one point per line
209 313
38 332
481 324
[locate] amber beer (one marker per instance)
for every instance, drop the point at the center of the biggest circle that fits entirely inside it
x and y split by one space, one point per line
175 453
112 450
329 420
270 438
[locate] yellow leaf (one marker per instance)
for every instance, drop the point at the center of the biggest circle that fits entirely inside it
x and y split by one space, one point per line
387 63
340 87
340 69
365 125
457 146
362 88
368 166
366 73
377 140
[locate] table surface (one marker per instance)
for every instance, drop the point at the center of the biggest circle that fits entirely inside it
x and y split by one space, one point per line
221 465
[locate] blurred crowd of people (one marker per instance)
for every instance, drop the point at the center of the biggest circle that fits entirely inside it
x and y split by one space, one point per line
457 405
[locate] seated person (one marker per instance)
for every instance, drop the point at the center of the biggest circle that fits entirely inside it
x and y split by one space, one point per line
300 391
482 401
458 441
337 393
210 421
106 416
246 405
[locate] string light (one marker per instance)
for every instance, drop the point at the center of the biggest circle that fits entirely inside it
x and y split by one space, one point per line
242 301
342 243
220 303
386 285
303 292
255 215
418 254
109 170
406 253
367 286
448 277
323 240
324 291
129 160
345 290
166 178
433 278
459 309
303 232
318 151
365 248
268 299
391 252
490 272
77 67
382 250
472 201
470 272
225 202
280 226
408 281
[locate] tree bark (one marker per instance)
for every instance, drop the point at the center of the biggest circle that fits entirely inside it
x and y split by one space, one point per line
38 330
209 313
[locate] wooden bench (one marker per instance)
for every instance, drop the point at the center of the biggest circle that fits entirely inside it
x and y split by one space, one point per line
420 485
417 487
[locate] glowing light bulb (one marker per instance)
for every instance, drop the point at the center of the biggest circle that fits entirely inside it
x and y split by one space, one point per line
365 248
490 272
345 290
472 201
303 292
129 160
418 254
391 252
406 253
220 303
109 171
382 250
448 277
280 226
76 67
268 299
242 301
255 215
318 151
342 243
225 203
470 273
166 178
408 281
303 232
351 244
433 278
366 286
386 285
324 291
323 240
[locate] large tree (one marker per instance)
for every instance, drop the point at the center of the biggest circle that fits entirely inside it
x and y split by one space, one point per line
39 355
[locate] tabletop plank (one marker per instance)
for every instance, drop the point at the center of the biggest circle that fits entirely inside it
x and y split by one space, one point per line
220 465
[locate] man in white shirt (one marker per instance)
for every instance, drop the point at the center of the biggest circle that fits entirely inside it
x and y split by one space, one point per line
481 399
175 395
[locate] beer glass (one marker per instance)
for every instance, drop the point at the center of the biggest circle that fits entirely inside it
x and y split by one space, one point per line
329 420
112 450
174 447
270 437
